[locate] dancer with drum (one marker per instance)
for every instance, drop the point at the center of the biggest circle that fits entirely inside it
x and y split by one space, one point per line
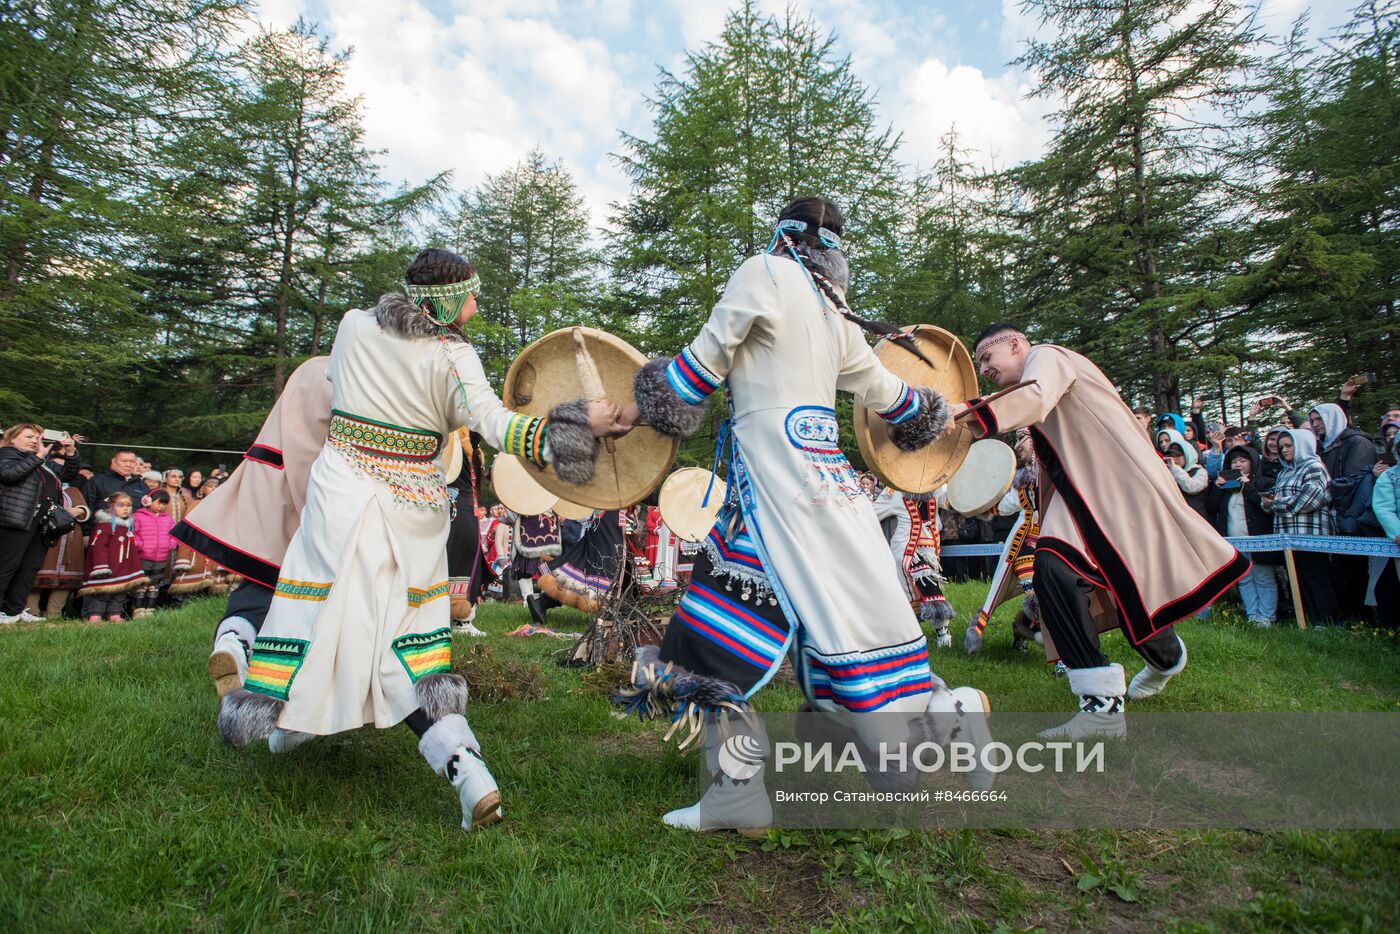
796 563
1115 531
358 631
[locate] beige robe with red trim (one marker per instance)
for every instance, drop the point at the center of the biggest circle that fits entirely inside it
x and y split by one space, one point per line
246 524
1109 506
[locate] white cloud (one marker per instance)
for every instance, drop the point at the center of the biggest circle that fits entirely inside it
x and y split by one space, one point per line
993 115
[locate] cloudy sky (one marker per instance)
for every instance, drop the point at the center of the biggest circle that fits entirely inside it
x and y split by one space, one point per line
471 85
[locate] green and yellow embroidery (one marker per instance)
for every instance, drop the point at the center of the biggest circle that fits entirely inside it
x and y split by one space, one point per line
402 458
302 590
417 597
274 665
425 653
382 439
524 437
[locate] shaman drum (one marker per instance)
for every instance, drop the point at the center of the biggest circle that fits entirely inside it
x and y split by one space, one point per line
983 479
567 510
683 506
584 363
454 456
517 489
953 375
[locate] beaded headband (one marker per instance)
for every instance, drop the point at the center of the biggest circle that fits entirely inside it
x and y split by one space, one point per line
829 238
446 300
1000 338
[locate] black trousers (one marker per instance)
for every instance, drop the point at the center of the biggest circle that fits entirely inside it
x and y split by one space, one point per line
1064 611
1388 597
1350 575
1315 584
21 556
250 601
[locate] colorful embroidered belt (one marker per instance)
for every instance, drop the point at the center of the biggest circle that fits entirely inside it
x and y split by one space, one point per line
382 439
402 458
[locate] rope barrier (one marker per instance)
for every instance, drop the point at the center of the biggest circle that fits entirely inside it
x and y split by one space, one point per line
1327 544
153 447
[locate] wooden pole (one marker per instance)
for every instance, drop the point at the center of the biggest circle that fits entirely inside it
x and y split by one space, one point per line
1293 586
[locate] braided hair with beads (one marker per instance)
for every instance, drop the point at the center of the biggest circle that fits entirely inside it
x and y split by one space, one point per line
810 231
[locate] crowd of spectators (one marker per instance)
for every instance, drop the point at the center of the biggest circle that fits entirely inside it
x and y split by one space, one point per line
1310 473
87 542
69 531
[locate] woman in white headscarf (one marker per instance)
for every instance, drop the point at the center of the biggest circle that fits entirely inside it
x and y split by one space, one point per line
1302 506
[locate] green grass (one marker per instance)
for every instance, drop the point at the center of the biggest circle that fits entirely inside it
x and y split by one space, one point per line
121 808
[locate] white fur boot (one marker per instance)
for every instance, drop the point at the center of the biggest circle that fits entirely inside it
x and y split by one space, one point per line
961 717
451 749
736 799
1101 705
1150 680
233 645
283 741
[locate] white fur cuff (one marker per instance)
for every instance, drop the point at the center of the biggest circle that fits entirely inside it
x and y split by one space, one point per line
1106 681
240 627
444 738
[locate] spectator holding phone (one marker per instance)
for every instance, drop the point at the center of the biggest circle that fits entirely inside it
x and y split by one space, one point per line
30 484
1302 506
1190 476
1238 510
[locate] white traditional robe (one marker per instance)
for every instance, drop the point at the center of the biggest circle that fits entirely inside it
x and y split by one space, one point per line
361 607
798 527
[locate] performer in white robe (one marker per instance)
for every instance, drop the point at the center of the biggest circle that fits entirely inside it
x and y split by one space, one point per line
796 563
359 627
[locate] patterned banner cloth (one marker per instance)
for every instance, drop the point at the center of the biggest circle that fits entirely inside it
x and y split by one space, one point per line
1335 545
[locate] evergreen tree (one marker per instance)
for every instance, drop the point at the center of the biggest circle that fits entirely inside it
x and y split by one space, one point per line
1327 155
527 233
87 90
763 115
1132 251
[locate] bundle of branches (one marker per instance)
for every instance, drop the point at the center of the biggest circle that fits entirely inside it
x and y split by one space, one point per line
627 617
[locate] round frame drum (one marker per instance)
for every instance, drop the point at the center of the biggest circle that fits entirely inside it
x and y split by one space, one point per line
985 476
953 375
680 502
585 363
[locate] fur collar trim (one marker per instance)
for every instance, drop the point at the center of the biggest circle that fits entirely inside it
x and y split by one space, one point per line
400 317
105 517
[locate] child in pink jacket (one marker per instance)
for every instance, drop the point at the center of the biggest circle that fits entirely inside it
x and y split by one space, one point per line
151 527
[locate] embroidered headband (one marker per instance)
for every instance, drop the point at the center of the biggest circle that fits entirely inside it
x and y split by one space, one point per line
446 300
829 238
1000 338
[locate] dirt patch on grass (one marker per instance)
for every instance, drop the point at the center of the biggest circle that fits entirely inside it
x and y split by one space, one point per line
492 680
780 890
1048 865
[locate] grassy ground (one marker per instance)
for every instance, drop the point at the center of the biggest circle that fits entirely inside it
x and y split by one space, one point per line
121 808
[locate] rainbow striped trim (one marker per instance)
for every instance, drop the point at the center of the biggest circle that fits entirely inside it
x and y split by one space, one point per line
905 407
274 665
425 653
867 681
417 598
690 378
731 626
302 590
382 439
524 437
